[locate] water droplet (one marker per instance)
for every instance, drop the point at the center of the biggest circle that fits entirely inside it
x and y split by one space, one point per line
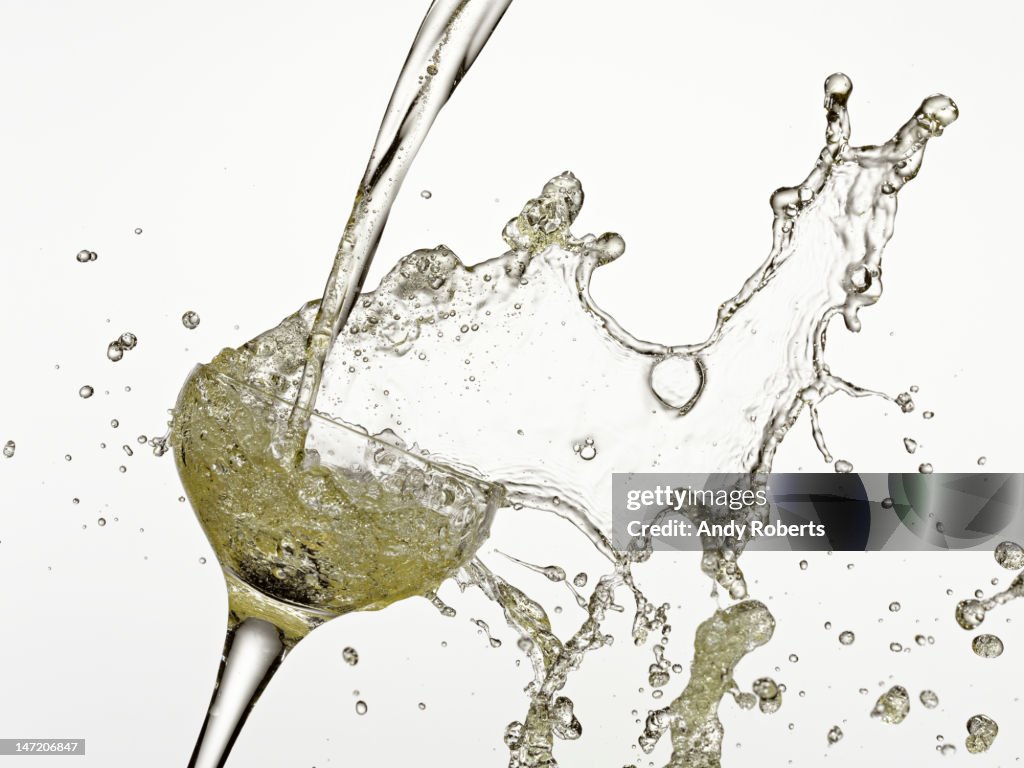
350 655
946 750
892 706
925 469
190 320
769 694
9 447
843 466
361 707
970 613
846 637
910 444
1010 555
929 699
834 735
894 607
85 392
115 423
86 256
896 647
114 352
101 522
202 561
588 451
426 194
983 731
928 414
422 706
580 580
803 565
981 461
138 230
987 646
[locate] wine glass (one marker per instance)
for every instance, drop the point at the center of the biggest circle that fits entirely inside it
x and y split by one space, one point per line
361 522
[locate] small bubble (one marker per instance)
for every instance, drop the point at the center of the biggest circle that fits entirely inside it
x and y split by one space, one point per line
894 607
588 451
102 521
887 503
86 256
422 706
128 450
426 194
190 320
202 561
67 457
85 392
929 699
896 647
846 637
793 658
350 655
843 466
114 352
138 230
910 444
981 461
928 414
803 565
925 469
9 447
115 423
580 580
361 707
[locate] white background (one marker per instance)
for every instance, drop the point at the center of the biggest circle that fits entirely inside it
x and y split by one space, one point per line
233 134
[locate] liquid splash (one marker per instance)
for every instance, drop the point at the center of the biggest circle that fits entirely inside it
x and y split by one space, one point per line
435 325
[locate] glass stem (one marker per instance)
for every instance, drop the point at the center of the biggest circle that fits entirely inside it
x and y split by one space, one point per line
253 650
